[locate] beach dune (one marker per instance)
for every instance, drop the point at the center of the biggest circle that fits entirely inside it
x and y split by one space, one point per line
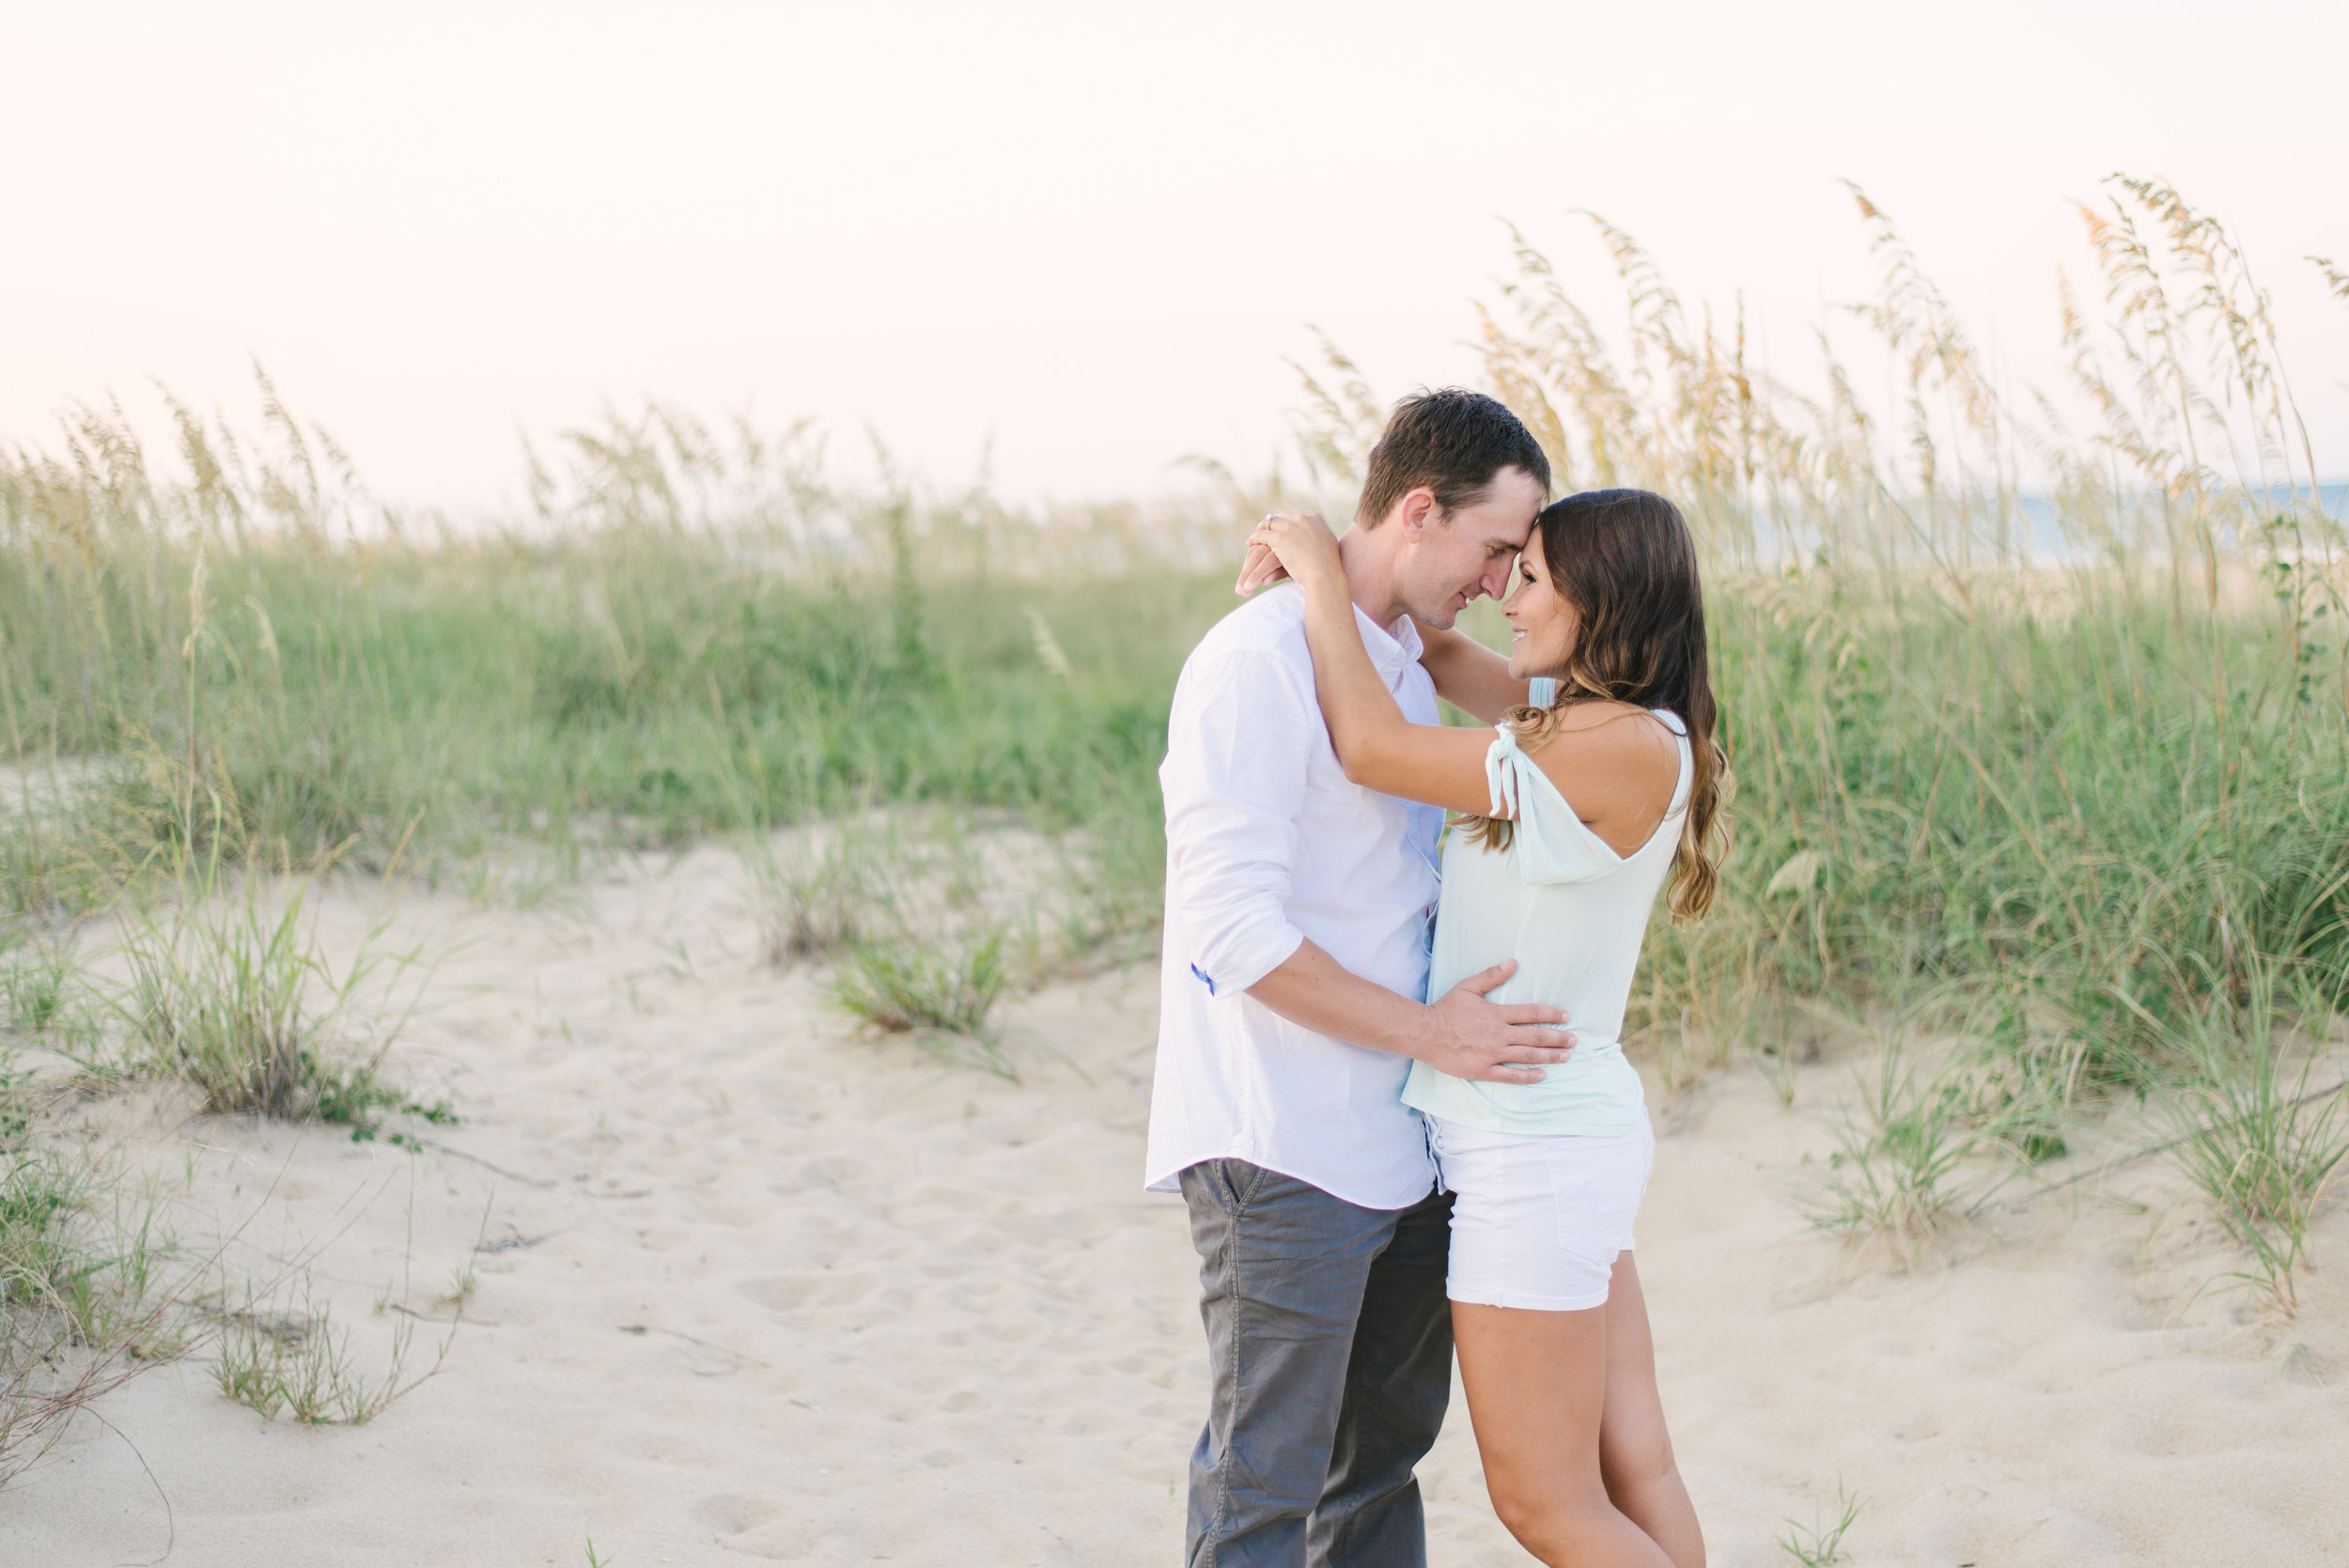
747 1283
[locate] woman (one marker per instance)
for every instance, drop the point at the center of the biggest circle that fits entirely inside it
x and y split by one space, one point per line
1576 815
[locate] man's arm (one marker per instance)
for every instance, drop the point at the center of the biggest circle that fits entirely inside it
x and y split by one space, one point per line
1469 676
1239 742
1243 736
1460 1034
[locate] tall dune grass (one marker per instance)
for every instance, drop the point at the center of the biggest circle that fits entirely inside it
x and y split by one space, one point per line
2040 729
231 646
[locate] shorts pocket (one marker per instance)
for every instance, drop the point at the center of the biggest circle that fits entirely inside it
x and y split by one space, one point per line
1596 1184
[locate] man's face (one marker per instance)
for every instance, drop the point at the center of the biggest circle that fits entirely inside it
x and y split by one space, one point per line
1450 562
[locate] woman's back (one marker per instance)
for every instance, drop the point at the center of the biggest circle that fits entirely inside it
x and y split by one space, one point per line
1573 913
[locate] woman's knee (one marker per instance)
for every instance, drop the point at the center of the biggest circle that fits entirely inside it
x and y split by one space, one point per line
1546 1522
1637 1461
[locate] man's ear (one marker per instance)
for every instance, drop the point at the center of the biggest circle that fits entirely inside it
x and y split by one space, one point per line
1419 510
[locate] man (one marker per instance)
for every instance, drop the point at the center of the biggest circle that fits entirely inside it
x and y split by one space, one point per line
1297 923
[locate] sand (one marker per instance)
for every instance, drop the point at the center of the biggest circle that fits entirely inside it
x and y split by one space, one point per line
750 1285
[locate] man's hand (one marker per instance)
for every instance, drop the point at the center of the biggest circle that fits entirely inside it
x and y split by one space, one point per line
1460 1034
1499 1043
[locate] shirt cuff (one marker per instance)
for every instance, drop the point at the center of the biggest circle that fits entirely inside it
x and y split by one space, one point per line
1242 964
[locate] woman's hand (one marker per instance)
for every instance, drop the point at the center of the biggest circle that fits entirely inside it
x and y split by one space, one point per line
1296 545
1258 567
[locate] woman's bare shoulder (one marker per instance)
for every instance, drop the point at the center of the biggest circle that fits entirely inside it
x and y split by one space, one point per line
1617 763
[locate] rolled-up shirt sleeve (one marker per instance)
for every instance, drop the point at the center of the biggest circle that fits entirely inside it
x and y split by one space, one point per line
1239 741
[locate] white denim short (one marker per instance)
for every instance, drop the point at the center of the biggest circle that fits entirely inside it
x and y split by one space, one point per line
1538 1223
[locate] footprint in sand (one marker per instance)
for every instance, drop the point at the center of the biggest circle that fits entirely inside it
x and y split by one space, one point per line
784 1292
731 1513
833 1170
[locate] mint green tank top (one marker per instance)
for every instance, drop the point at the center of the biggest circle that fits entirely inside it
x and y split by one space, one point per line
1573 913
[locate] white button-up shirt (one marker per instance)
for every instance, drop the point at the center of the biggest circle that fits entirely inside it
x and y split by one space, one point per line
1268 843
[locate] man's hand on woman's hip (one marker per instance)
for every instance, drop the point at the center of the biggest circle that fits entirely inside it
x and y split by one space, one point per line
1460 1033
1471 1037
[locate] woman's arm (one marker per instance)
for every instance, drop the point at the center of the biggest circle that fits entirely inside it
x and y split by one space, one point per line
1469 676
1618 776
1377 746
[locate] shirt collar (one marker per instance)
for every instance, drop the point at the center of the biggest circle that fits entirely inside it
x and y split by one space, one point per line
1392 648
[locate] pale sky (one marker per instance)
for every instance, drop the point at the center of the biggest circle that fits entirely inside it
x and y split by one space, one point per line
1089 232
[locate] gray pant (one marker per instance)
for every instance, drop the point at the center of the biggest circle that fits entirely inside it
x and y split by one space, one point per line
1330 1348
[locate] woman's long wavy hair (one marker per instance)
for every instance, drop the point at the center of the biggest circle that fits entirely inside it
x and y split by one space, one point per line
1628 563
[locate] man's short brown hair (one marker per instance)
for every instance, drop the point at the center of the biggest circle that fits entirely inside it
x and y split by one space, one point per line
1454 441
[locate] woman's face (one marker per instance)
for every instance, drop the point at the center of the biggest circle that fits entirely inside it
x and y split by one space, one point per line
1545 619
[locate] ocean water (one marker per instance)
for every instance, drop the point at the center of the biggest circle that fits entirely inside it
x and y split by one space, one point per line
2047 540
2048 543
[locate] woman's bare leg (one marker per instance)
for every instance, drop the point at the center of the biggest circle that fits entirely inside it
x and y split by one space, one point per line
1635 1451
1538 1388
